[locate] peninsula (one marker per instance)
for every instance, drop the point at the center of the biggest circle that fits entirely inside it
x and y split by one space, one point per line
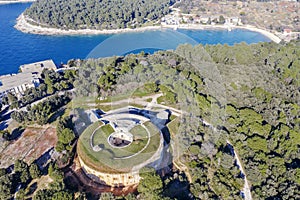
24 25
85 19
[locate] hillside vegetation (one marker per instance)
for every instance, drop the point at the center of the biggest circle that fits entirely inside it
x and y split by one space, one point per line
248 93
104 14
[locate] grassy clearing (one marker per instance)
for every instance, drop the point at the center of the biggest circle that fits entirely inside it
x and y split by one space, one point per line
83 102
107 108
161 100
172 117
141 92
155 138
149 100
114 98
101 135
137 105
140 139
139 132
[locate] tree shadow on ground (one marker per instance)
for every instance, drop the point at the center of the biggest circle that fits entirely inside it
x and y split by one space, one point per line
16 133
32 188
56 115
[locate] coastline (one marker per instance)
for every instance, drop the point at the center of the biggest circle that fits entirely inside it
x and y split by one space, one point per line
24 26
266 33
16 1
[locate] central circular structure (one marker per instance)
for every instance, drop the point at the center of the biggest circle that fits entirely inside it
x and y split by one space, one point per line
113 150
120 139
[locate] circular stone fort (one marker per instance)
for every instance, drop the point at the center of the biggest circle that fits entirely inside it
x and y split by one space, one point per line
113 149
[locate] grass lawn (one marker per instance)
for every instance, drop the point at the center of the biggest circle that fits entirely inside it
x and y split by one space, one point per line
107 108
85 136
139 132
162 100
102 134
109 159
155 137
140 139
172 117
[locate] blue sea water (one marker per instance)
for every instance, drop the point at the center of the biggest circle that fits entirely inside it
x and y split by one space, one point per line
17 48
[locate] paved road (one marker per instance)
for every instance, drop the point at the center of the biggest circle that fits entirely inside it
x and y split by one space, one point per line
246 189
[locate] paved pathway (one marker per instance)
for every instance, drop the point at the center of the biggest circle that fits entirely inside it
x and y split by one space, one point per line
246 189
142 101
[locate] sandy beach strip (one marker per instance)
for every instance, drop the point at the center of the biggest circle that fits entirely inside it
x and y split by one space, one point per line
26 27
266 33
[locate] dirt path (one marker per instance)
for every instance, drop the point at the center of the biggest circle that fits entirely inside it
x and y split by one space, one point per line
143 102
246 189
182 167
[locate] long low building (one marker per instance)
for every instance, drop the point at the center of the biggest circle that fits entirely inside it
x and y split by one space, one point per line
29 77
17 83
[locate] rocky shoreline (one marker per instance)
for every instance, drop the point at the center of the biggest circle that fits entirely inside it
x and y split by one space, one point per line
23 25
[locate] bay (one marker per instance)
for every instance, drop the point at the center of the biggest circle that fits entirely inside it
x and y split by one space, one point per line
17 48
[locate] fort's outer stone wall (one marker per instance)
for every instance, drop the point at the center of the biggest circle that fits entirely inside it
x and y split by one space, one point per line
124 179
115 180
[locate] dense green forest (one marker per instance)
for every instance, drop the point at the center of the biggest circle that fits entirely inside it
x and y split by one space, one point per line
104 14
248 95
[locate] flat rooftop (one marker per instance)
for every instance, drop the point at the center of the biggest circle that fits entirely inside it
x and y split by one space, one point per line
38 67
96 145
11 81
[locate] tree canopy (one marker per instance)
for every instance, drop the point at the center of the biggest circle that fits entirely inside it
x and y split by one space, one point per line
258 112
104 14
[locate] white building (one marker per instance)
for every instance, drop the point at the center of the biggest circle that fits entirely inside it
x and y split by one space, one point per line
17 84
